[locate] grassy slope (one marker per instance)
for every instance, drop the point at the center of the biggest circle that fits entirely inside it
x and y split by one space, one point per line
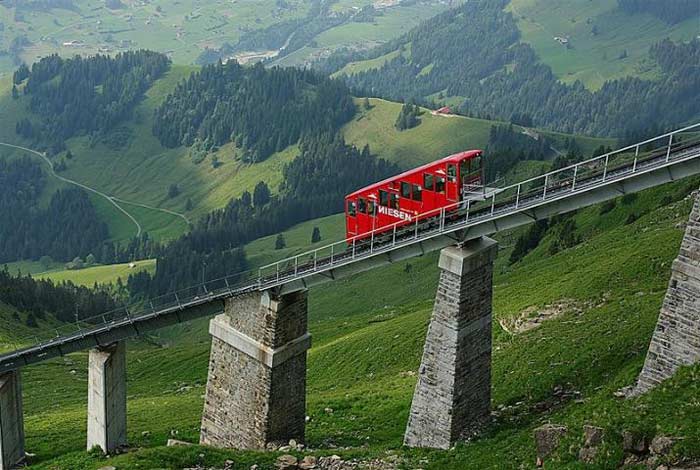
99 274
367 339
594 59
435 137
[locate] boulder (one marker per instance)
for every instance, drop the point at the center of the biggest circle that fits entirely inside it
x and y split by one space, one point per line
176 442
287 462
587 454
661 445
593 436
634 443
308 463
547 439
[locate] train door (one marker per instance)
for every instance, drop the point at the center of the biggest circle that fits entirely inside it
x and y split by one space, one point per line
452 184
351 217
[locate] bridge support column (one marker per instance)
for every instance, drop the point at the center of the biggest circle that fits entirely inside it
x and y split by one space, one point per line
256 388
452 398
676 339
11 420
106 427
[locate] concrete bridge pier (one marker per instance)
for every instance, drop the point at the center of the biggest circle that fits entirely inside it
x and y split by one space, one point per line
106 427
256 388
11 420
452 398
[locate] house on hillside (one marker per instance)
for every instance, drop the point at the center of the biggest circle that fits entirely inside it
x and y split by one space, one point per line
444 111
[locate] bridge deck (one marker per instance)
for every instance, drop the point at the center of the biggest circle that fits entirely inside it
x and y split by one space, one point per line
607 176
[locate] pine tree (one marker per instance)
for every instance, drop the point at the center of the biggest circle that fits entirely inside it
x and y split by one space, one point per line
316 235
280 242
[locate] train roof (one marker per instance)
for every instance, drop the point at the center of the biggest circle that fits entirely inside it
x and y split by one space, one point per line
454 158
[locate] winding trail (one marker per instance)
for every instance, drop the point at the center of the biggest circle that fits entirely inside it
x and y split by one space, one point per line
80 185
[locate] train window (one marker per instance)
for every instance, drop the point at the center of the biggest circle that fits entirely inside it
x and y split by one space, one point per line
428 181
405 189
451 172
351 209
440 184
394 204
371 208
417 193
383 198
362 206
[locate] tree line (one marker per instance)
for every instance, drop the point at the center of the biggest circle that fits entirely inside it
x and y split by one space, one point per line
38 297
91 95
507 147
260 110
670 11
499 76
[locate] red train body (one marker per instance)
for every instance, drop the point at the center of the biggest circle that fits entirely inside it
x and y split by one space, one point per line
405 197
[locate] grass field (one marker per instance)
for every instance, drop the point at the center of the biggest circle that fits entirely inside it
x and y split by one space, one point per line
366 348
435 137
99 274
592 59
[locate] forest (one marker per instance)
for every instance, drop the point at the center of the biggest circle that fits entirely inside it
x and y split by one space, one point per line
500 77
260 110
315 184
87 95
507 147
64 301
66 228
672 12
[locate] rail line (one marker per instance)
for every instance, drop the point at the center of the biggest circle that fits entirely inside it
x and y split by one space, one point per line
650 163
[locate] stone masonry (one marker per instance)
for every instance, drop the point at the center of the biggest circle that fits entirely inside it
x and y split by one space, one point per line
676 340
106 426
256 388
11 420
452 398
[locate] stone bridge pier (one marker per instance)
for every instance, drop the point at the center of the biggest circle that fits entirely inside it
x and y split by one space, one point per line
256 388
676 339
452 398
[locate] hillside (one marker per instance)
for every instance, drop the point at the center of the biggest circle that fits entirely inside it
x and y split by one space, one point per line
501 75
599 301
597 33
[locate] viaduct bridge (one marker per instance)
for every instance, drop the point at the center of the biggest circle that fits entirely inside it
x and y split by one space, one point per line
256 383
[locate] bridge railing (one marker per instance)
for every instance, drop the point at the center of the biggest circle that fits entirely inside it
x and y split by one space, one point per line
575 177
557 183
176 300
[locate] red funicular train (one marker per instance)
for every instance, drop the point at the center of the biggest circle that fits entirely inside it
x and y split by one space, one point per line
403 198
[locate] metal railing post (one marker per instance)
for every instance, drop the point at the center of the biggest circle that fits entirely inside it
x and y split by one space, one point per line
332 250
636 157
296 265
469 203
546 181
354 243
605 167
668 152
371 243
277 268
517 198
573 183
493 203
416 234
315 259
393 237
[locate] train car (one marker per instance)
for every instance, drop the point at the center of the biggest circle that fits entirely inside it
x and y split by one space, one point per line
403 198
